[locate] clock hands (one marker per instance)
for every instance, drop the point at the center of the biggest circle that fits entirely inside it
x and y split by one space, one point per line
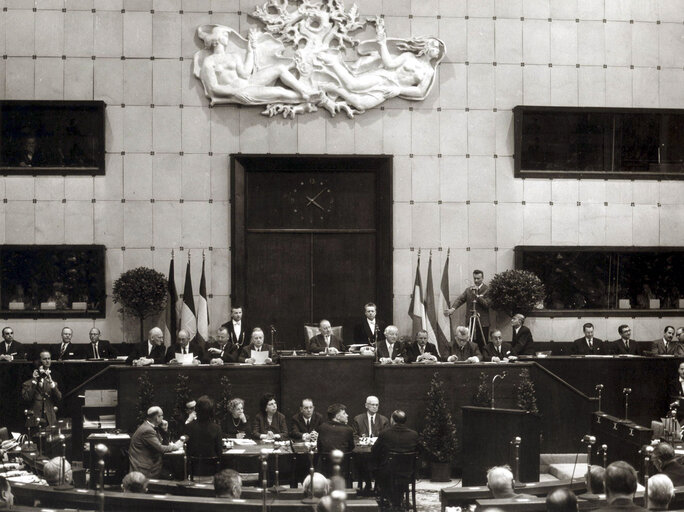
312 200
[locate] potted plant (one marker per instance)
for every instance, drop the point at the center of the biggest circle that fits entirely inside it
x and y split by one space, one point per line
439 437
516 291
142 293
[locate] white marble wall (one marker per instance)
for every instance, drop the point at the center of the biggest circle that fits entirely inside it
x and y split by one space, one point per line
453 174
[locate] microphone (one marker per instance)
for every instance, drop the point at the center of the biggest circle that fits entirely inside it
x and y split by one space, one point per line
588 439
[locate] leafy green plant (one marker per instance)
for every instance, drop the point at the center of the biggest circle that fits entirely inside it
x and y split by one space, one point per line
222 412
483 395
182 394
439 437
145 397
516 291
141 293
526 394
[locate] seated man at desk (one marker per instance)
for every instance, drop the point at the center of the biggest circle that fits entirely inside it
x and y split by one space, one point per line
460 349
496 350
99 349
325 341
667 345
420 351
625 345
146 449
588 345
335 434
219 351
66 349
251 353
390 351
10 348
149 352
184 347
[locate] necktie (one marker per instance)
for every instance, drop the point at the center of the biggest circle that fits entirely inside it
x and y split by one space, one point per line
627 345
64 347
307 424
185 350
371 427
327 340
422 350
95 353
591 345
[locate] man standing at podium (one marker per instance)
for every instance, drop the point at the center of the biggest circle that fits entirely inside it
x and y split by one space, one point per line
476 299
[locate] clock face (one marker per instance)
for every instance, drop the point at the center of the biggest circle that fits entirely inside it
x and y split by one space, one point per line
311 199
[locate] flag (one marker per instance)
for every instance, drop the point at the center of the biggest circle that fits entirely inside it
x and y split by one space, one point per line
431 315
417 308
443 321
169 317
188 320
202 310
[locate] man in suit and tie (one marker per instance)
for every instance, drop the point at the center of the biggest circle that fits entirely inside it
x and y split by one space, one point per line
146 449
42 392
66 349
667 345
497 351
371 329
625 345
237 332
10 348
184 346
257 345
476 299
460 349
370 423
99 349
664 460
151 351
522 342
390 351
325 341
305 423
621 485
421 351
218 351
588 345
396 439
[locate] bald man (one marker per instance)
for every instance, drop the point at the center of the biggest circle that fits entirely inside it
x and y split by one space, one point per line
151 351
146 448
325 341
184 346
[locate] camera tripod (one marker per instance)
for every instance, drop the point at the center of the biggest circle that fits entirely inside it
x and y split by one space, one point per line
473 323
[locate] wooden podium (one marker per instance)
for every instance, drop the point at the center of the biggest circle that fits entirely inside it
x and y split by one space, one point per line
486 442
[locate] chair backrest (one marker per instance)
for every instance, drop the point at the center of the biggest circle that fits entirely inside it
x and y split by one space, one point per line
402 464
325 466
203 466
4 434
311 330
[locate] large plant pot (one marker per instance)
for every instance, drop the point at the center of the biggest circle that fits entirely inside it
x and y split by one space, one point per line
440 472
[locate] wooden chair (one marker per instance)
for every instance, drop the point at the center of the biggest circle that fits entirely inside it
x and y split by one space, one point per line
325 466
311 330
203 466
402 476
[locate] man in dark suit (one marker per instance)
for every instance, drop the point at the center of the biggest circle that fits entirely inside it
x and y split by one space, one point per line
98 349
146 449
663 459
522 342
257 344
335 434
219 351
421 351
10 348
325 340
398 439
237 331
460 349
149 352
588 345
496 351
667 345
625 345
621 484
390 351
371 329
370 423
65 350
305 423
184 346
476 299
42 391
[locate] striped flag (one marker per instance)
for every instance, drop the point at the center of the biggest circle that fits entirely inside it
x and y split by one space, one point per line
443 321
417 308
431 315
202 310
188 320
169 317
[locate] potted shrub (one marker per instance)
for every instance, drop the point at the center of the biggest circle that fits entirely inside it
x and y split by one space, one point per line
516 291
141 293
439 437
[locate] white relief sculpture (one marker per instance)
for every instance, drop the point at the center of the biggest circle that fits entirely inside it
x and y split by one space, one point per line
301 62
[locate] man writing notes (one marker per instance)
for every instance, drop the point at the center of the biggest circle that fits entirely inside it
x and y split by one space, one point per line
477 301
325 341
461 349
371 329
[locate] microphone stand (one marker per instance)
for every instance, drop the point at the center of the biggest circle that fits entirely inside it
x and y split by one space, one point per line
101 451
516 463
309 495
626 392
63 484
604 449
647 451
498 376
264 481
590 440
599 390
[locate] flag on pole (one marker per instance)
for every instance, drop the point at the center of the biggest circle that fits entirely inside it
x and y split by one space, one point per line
188 320
417 308
443 321
202 310
431 314
169 317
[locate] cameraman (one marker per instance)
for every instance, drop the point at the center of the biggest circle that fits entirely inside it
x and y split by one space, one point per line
42 392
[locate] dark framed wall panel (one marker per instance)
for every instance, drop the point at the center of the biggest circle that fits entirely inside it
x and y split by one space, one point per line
311 239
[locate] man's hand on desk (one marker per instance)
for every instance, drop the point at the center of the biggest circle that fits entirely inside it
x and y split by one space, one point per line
426 358
143 361
217 361
312 436
387 360
6 357
270 435
249 360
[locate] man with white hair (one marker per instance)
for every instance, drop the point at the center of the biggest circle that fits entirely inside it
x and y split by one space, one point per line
390 351
321 486
184 346
660 492
460 349
149 352
521 341
325 341
146 448
500 482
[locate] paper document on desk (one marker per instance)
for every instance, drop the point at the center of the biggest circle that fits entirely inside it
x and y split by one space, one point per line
259 357
184 358
236 451
243 442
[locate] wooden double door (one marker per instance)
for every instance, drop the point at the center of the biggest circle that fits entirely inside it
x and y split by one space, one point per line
311 239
